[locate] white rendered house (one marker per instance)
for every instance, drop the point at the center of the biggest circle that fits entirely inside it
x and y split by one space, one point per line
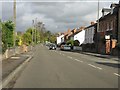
80 36
60 39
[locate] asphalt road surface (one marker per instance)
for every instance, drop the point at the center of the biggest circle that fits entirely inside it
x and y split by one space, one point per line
61 69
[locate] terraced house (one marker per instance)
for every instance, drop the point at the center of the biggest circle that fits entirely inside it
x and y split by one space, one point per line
108 30
90 42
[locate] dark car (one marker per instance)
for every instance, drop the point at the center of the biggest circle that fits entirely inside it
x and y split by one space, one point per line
52 47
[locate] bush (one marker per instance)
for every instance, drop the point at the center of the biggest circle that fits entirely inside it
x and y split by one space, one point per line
76 43
71 42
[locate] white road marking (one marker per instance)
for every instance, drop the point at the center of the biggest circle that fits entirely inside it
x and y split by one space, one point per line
95 66
117 74
15 57
63 54
78 60
69 57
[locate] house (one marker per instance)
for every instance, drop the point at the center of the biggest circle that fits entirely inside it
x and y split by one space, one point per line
71 35
90 42
80 35
90 32
108 31
66 35
60 39
77 35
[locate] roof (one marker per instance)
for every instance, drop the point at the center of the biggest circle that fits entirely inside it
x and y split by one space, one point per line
115 11
91 25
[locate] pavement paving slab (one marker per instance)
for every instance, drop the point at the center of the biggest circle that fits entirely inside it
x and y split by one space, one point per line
10 64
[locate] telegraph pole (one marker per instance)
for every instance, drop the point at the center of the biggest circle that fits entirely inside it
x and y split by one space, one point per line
119 22
14 31
119 27
32 31
98 16
97 26
36 30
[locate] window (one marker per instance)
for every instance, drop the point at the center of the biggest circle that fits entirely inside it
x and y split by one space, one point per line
107 26
111 25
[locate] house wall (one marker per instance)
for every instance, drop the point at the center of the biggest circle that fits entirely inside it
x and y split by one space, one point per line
80 37
60 39
107 26
89 35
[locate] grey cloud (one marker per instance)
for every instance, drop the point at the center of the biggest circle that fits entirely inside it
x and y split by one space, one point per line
0 10
7 10
57 16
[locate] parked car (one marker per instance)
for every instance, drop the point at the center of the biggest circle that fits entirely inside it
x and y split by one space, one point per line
65 47
52 47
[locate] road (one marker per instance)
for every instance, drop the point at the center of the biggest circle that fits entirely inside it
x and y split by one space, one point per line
61 69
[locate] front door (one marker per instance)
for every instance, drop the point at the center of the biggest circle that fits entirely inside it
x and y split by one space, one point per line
108 47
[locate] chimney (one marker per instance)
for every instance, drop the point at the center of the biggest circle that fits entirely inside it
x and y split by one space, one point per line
74 30
69 31
113 5
82 28
92 23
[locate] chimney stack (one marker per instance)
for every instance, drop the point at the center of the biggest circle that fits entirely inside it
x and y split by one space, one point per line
113 5
92 23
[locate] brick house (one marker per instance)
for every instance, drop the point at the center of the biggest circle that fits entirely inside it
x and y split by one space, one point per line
108 30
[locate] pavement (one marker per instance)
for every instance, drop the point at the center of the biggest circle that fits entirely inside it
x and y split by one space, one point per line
61 69
116 58
102 56
9 65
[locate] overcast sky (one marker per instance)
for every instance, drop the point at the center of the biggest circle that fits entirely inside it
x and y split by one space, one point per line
58 16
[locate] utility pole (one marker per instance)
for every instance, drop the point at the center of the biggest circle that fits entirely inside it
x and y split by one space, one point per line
14 31
36 30
32 31
97 26
119 22
119 27
98 17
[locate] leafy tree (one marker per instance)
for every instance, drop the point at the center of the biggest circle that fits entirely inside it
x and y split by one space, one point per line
27 37
76 43
0 36
53 39
7 34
